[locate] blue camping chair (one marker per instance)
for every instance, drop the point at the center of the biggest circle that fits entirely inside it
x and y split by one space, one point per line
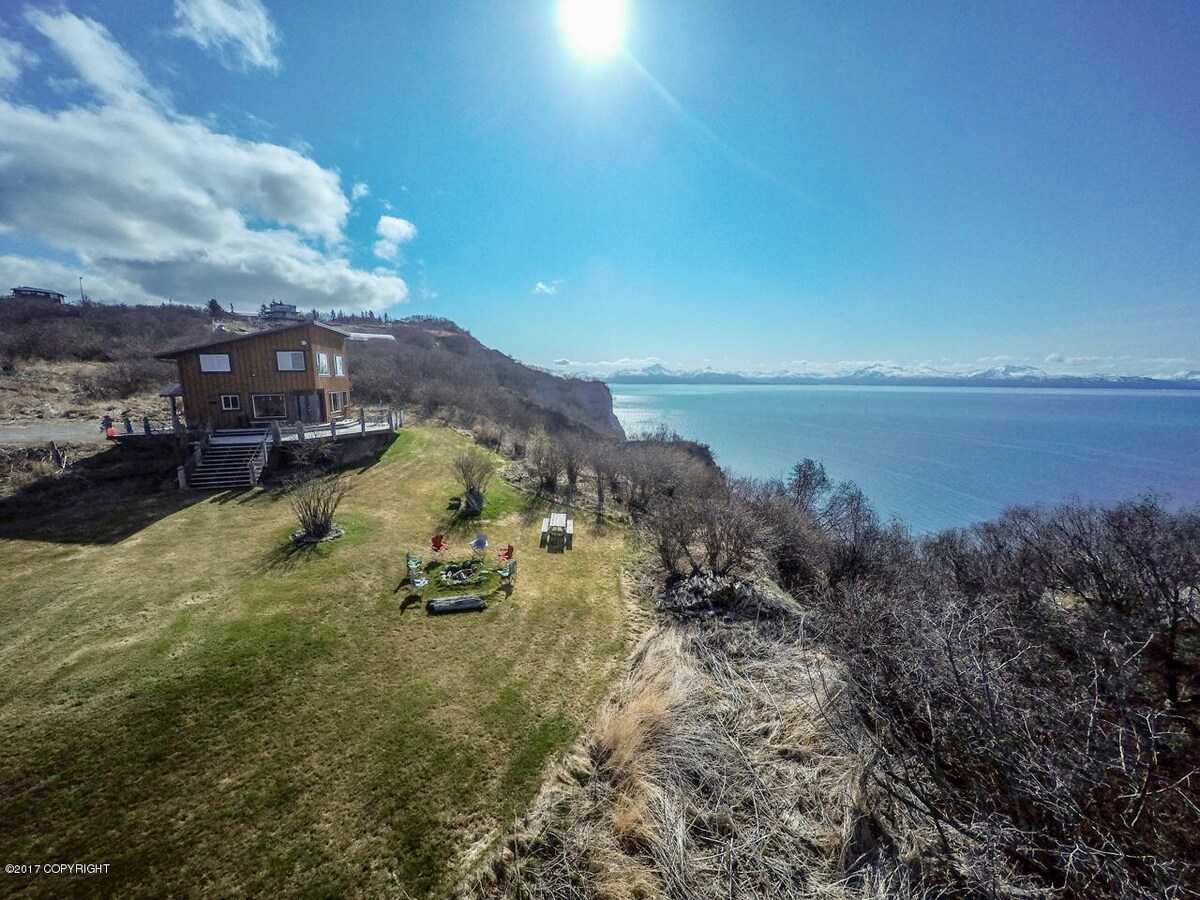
479 544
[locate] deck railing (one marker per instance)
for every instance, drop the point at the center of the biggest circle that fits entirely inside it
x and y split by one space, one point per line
376 421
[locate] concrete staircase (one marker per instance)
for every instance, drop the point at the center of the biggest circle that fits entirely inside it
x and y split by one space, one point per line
229 464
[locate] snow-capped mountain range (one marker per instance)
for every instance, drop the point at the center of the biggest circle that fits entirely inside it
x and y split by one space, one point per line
883 374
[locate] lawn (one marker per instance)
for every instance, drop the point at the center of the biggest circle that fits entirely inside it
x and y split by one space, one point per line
213 713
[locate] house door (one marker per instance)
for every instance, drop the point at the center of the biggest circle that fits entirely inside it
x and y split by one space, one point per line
308 408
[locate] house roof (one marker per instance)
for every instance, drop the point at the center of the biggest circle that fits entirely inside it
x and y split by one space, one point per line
180 351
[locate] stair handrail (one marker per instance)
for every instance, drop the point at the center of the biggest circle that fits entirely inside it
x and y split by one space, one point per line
260 453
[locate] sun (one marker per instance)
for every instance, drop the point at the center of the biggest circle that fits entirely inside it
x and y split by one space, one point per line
594 29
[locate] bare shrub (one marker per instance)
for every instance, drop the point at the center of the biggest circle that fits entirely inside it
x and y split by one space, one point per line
573 450
125 379
708 523
473 470
1014 697
602 458
315 502
545 459
488 435
22 467
657 469
808 484
308 458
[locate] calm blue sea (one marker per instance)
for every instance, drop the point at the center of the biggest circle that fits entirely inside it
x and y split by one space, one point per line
942 457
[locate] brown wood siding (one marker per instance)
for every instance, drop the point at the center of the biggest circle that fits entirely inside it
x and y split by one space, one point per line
253 370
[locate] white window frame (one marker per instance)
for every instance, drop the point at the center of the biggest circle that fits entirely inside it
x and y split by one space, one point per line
339 365
323 363
254 398
291 356
335 401
226 406
214 362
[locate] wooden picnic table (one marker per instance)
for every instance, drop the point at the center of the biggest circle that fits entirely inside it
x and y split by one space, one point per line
557 531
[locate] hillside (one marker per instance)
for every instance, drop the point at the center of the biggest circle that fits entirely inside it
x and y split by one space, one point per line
434 364
80 362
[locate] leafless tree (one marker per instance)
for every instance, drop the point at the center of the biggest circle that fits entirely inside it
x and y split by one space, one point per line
573 450
545 458
808 483
315 501
602 458
473 469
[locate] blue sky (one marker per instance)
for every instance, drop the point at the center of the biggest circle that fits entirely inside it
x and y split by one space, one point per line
741 186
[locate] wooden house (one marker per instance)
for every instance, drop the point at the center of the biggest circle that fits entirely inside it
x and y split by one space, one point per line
33 293
297 373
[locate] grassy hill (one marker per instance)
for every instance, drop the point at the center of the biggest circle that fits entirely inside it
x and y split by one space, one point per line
213 713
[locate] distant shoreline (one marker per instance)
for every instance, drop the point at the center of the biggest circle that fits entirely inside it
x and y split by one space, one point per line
1065 381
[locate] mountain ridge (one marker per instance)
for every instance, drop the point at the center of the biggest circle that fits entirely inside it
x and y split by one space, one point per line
886 374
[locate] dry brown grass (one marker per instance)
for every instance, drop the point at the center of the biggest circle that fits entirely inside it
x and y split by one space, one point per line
709 774
37 391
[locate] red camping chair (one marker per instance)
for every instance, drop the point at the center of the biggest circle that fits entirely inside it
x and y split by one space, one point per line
438 544
506 554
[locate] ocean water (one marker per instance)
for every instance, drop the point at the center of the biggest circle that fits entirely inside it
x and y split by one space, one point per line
942 457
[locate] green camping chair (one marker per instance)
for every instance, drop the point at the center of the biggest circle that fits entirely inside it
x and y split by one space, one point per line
506 573
414 562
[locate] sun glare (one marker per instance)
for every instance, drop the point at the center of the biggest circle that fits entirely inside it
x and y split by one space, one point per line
594 29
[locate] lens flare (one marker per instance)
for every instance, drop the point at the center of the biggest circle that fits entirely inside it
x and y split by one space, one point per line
593 29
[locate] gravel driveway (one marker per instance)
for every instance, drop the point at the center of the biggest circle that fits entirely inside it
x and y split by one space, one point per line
43 432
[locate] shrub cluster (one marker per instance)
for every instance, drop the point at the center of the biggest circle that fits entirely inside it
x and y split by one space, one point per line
35 329
1025 690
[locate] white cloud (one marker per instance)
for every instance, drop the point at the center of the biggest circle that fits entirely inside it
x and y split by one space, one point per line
392 233
95 56
65 278
160 205
544 287
607 367
359 191
14 59
239 31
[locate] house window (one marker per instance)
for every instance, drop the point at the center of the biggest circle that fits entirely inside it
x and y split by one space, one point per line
214 362
322 363
230 402
339 366
269 406
289 360
336 400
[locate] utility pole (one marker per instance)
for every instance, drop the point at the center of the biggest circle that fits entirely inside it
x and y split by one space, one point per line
80 288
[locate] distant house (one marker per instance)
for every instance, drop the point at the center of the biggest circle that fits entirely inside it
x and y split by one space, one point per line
281 312
289 374
32 293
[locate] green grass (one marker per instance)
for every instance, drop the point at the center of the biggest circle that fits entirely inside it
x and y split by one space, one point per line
216 713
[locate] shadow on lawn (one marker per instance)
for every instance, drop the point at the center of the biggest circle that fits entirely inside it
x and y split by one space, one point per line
288 556
409 602
100 499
